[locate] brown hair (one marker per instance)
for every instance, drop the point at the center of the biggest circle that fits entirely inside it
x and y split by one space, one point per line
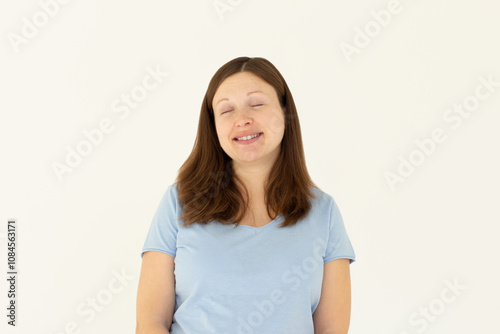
207 186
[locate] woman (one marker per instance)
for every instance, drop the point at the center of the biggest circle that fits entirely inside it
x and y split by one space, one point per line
258 248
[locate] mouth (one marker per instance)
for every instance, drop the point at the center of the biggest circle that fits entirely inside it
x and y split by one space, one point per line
248 137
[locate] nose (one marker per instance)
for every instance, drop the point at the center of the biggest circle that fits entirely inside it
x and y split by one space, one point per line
243 118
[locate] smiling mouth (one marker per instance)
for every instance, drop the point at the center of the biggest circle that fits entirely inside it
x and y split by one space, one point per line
248 137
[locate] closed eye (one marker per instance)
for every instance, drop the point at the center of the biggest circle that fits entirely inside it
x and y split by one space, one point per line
257 105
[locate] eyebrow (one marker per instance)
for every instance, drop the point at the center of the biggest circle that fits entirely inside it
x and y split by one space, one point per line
249 93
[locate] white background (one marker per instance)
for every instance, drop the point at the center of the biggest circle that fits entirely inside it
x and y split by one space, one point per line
359 114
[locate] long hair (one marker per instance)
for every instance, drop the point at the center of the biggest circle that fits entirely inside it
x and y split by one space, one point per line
207 185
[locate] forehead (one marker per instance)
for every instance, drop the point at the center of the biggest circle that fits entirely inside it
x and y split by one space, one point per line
240 84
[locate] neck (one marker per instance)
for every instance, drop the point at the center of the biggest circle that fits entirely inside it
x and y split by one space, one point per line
254 178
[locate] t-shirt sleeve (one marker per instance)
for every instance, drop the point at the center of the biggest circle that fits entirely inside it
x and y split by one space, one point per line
338 246
162 234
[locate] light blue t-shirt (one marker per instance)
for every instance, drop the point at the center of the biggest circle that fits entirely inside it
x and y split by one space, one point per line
241 279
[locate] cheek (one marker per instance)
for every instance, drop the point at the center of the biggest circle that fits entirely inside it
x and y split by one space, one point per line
277 124
221 131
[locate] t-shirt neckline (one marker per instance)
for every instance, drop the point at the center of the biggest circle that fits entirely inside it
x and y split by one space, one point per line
272 222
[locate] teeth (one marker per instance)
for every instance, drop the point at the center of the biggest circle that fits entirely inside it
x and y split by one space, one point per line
248 137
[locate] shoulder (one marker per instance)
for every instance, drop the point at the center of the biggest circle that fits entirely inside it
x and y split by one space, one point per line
172 190
322 200
324 206
169 199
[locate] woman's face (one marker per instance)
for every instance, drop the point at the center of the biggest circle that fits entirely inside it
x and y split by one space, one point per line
249 119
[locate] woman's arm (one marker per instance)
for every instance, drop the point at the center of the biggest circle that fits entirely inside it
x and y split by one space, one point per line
155 294
333 313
